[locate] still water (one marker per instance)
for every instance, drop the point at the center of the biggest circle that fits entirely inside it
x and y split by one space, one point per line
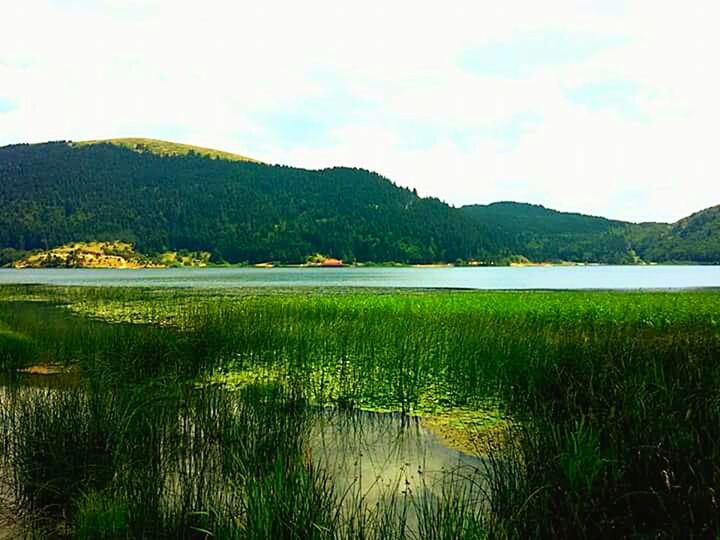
371 460
567 277
376 456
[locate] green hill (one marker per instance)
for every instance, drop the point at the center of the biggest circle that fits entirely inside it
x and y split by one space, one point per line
518 218
167 197
165 148
542 234
61 192
695 238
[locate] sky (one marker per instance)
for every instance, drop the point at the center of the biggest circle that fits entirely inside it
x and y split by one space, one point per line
605 107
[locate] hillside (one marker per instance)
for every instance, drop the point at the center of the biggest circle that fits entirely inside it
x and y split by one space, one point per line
87 255
542 234
106 255
694 238
165 148
167 197
240 211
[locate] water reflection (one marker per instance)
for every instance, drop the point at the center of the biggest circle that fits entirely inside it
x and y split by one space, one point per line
391 460
375 462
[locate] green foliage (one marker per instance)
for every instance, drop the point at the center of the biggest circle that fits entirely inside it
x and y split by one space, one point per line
455 514
581 462
10 255
164 196
695 238
542 234
610 404
289 502
520 218
58 446
16 349
102 516
239 211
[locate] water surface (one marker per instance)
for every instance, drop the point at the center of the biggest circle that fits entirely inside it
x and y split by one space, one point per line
555 277
380 455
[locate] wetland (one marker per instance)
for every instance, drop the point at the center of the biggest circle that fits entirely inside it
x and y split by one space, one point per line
160 412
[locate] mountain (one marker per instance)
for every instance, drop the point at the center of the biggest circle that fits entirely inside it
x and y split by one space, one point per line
165 148
694 238
169 197
161 196
542 234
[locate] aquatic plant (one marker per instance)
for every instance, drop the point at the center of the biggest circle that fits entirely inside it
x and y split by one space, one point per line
611 403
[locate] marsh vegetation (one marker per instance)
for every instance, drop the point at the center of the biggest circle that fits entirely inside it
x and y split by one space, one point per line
194 414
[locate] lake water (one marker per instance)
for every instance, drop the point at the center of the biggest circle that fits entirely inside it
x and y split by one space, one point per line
371 459
375 455
567 277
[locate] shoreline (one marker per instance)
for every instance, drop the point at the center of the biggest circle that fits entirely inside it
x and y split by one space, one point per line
433 266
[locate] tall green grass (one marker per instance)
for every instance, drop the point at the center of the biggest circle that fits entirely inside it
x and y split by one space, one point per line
158 462
612 399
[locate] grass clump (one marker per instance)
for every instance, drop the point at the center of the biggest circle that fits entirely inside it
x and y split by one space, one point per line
16 350
102 516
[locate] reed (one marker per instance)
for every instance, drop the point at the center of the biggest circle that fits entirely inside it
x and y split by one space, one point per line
611 406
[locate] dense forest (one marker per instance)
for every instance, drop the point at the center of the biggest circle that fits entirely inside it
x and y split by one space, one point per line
541 234
162 196
694 238
239 211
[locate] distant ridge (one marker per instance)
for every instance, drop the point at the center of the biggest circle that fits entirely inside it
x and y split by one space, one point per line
169 197
162 196
694 238
166 148
543 234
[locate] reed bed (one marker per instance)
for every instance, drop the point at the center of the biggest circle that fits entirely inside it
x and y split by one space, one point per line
609 403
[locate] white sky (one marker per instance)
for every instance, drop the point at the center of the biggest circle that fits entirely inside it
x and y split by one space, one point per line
604 107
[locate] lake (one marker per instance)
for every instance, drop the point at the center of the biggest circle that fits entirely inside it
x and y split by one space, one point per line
540 277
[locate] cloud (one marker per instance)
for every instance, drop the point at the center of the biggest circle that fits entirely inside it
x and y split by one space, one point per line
602 107
624 97
523 55
7 105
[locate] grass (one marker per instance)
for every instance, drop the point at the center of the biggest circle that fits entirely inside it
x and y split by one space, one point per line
609 405
16 349
165 148
101 516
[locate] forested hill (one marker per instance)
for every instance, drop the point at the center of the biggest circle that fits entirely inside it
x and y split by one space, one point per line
164 196
59 192
542 234
694 238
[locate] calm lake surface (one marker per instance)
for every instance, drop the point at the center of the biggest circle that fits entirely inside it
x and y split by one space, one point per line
568 277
